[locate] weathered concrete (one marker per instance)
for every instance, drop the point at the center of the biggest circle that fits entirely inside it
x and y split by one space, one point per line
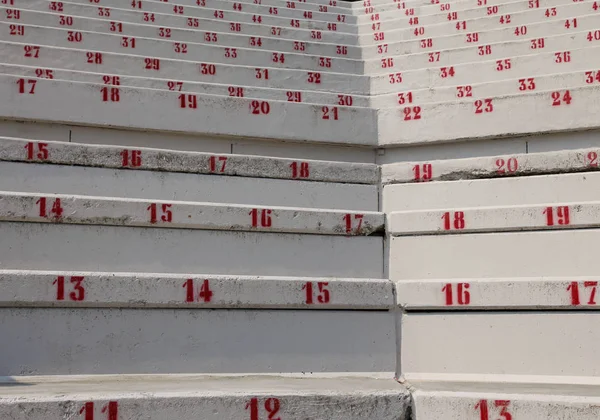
124 290
269 94
496 219
122 341
526 190
154 185
99 211
521 254
450 400
270 43
513 343
200 114
133 65
518 164
144 158
158 48
192 397
511 293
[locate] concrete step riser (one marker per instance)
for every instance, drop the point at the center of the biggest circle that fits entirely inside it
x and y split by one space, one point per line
156 48
195 37
269 94
296 21
513 191
43 57
122 341
101 182
487 26
142 158
121 290
467 344
179 21
189 397
523 254
81 210
128 249
517 164
119 107
490 70
391 20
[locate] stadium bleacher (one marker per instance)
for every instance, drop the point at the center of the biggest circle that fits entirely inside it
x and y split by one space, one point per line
315 209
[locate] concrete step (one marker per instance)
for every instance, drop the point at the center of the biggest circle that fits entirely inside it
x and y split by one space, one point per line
138 30
115 157
499 294
552 216
187 397
44 56
466 343
449 399
501 50
538 112
120 107
23 288
156 48
530 66
269 94
517 164
507 254
510 191
171 20
548 83
410 44
168 186
296 20
477 30
108 211
179 340
120 248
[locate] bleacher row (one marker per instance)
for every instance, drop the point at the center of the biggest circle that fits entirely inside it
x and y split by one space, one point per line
315 209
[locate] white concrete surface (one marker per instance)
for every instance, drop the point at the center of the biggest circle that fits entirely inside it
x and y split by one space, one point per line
144 158
520 254
465 400
482 71
159 48
510 191
269 94
122 341
501 293
188 397
150 250
201 113
496 219
550 343
167 186
85 210
170 20
188 35
133 65
243 17
128 290
518 164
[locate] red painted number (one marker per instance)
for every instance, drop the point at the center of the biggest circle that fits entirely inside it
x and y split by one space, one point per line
557 216
423 172
204 295
42 151
576 297
78 293
111 410
260 107
484 412
56 210
131 158
503 166
559 98
271 406
329 113
264 220
454 220
463 296
322 297
165 216
483 106
217 163
300 170
353 222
